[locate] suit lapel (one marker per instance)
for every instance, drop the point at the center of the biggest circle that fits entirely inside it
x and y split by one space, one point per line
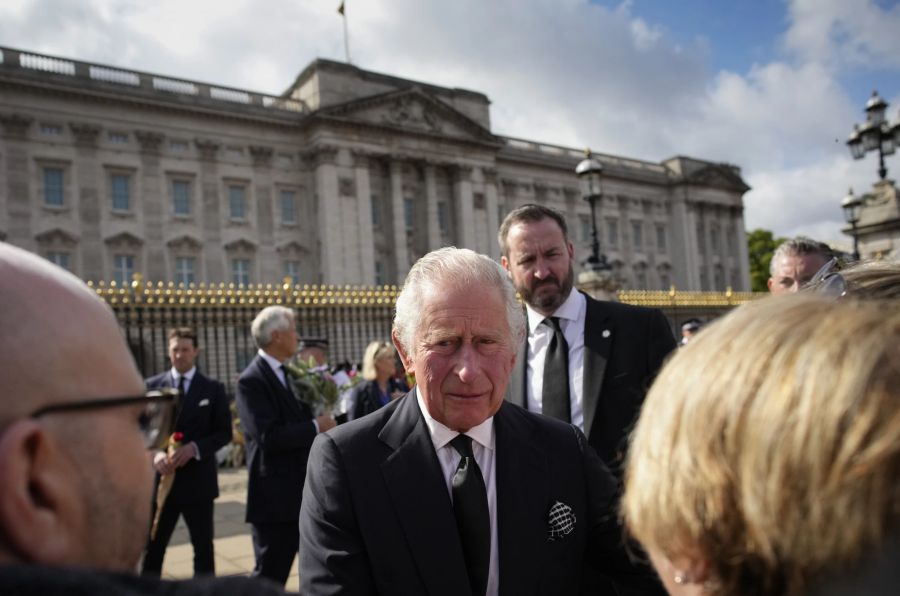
597 344
292 403
522 504
415 483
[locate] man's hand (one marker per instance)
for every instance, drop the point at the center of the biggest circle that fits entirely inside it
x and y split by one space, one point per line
183 455
162 464
325 422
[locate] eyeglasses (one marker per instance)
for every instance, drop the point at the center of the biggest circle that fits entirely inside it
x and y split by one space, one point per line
155 420
828 281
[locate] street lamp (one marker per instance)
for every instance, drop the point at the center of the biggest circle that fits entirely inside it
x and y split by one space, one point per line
590 178
876 134
852 205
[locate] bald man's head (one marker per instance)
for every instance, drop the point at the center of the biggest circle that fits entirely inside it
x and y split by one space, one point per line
74 485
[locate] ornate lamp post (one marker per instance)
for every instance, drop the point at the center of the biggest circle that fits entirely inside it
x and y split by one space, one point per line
876 134
590 178
852 205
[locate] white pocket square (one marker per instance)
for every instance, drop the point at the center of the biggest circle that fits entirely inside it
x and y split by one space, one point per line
204 402
560 521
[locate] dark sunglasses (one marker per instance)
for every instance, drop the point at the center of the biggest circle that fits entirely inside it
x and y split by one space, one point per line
828 280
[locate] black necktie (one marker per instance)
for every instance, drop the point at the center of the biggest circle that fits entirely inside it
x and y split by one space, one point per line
181 385
555 396
473 520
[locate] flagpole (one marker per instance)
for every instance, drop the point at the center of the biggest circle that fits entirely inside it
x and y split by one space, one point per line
346 34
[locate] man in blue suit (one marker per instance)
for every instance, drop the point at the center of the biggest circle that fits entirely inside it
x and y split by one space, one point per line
279 430
204 421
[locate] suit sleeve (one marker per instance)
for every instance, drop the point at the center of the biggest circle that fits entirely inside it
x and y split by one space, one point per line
660 342
261 419
608 557
332 555
221 423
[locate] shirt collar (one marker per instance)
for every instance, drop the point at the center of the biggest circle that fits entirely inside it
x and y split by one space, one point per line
188 376
275 363
483 434
570 310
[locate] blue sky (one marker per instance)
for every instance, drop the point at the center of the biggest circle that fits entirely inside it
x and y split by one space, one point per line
773 86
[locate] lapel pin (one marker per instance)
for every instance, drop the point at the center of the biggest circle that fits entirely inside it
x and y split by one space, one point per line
605 333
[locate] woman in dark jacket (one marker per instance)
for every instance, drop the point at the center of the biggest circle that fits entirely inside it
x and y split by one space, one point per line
378 388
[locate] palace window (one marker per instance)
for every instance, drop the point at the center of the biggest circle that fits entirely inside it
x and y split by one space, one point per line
409 214
376 211
123 269
119 138
612 232
637 234
661 238
240 271
443 213
53 187
292 270
60 259
288 207
184 270
237 202
120 191
181 197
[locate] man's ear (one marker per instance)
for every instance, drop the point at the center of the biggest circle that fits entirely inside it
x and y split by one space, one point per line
770 283
38 496
404 357
505 263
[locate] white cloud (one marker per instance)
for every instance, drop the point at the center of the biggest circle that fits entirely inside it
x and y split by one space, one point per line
560 71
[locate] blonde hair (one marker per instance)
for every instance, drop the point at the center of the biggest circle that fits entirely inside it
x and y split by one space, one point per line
769 447
375 351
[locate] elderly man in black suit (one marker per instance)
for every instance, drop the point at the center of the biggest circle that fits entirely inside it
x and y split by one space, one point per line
279 430
582 360
204 420
450 490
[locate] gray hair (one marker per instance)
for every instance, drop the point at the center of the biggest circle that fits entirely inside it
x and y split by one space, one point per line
455 267
801 245
269 319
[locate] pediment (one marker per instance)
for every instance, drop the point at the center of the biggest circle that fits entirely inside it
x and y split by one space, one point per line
719 177
292 248
124 239
413 110
53 237
240 245
184 242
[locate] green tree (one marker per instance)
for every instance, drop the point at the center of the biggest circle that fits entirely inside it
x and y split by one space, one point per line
760 246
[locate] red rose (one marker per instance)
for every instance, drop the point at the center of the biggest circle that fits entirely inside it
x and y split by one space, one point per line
177 437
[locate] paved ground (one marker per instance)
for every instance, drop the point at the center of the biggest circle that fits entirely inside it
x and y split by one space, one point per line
233 546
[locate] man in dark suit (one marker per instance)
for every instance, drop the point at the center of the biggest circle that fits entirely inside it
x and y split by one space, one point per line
583 361
204 420
279 430
449 490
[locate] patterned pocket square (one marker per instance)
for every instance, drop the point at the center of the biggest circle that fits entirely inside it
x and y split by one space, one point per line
560 521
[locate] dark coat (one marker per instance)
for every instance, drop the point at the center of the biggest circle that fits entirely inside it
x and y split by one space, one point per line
377 517
205 419
619 367
279 431
366 397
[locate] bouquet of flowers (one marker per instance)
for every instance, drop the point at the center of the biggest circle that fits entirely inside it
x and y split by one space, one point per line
165 482
313 385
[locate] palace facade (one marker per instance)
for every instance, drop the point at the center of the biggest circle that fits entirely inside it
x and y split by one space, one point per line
347 177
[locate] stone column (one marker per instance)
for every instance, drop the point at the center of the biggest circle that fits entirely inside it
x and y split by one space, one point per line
268 264
329 215
431 208
366 256
155 202
15 219
683 250
493 214
86 178
215 266
742 256
401 252
465 216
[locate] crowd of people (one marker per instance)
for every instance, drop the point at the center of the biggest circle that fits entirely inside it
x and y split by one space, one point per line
560 446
